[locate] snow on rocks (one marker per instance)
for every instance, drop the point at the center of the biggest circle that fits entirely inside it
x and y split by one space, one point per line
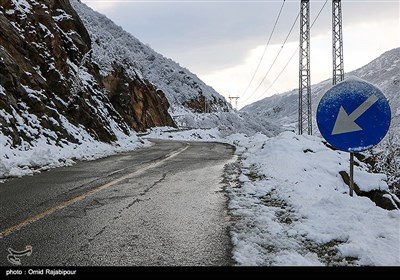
112 45
44 153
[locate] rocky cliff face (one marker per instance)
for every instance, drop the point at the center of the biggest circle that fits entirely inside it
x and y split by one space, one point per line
112 46
50 83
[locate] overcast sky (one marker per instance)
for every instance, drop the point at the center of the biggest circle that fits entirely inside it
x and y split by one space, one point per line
223 41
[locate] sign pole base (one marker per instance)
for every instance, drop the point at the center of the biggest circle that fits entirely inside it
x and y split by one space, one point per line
351 185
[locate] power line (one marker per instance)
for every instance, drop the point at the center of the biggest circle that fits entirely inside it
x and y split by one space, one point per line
297 49
276 57
319 13
266 47
280 73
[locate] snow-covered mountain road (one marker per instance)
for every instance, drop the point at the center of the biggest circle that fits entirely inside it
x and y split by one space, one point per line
161 205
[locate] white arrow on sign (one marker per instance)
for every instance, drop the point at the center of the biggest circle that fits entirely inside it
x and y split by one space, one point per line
345 123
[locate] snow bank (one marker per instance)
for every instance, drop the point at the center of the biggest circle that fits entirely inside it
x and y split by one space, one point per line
216 126
44 153
294 208
200 135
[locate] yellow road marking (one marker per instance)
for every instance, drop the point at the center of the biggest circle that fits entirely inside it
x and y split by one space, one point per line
81 197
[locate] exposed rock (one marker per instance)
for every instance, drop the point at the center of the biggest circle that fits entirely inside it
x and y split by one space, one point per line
139 103
47 78
380 198
203 105
113 46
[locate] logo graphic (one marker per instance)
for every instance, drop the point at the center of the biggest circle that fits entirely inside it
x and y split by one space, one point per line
14 256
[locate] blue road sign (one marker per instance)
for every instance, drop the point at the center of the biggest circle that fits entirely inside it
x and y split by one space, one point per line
353 116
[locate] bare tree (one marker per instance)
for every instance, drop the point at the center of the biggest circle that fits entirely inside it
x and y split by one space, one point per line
76 79
385 158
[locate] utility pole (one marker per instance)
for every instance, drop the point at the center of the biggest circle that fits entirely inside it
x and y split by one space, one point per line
305 115
234 99
338 66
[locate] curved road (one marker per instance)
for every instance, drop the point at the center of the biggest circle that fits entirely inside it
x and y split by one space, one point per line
162 205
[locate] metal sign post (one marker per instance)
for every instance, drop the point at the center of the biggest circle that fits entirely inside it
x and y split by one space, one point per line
353 116
351 184
338 68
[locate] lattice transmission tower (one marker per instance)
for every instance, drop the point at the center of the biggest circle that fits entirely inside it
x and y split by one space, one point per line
234 101
305 115
337 42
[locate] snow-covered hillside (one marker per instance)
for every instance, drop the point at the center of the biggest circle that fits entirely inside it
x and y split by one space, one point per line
189 97
73 85
112 45
54 104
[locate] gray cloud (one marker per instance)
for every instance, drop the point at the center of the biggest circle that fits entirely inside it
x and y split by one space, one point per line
210 36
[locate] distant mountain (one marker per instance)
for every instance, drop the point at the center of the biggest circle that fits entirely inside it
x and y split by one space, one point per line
383 72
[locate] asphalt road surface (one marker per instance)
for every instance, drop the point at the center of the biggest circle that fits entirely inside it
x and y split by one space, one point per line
162 205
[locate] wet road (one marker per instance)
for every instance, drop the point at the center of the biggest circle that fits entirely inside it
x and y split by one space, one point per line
161 205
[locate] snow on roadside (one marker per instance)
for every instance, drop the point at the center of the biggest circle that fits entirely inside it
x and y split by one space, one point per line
293 208
44 153
170 133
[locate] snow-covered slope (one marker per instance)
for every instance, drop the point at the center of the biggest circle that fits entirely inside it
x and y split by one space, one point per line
188 96
53 105
112 45
384 72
